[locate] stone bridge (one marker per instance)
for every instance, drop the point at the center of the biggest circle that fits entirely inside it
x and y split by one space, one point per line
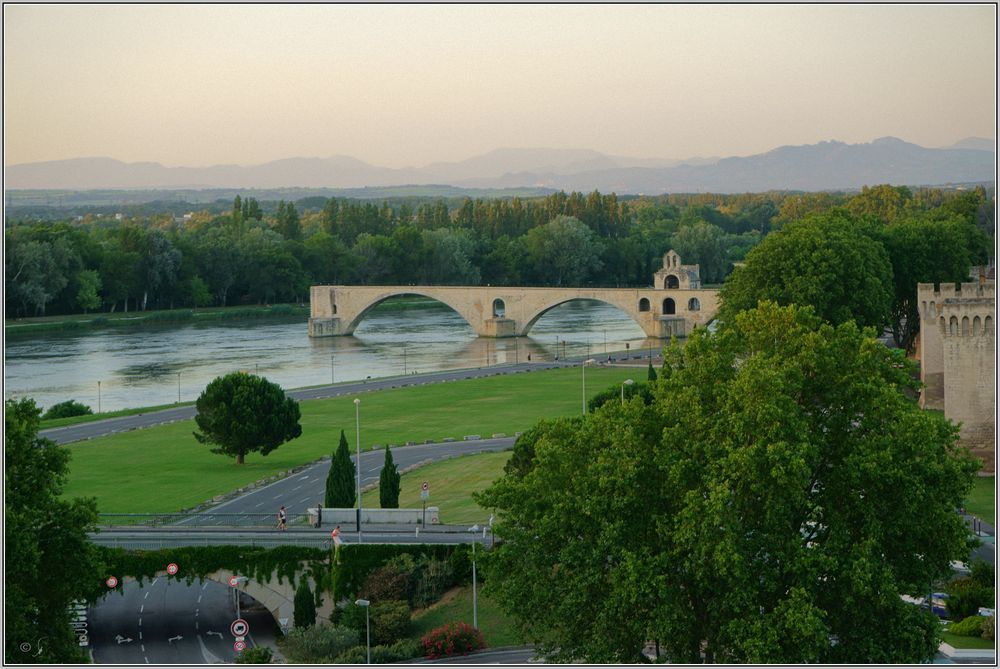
674 305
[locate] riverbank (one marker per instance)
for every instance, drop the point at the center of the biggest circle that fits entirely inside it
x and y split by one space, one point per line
24 326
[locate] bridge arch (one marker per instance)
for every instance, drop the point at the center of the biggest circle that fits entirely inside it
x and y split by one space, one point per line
530 321
354 322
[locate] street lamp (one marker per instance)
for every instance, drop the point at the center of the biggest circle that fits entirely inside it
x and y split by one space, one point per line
240 580
368 633
583 372
98 397
178 387
357 430
626 382
475 610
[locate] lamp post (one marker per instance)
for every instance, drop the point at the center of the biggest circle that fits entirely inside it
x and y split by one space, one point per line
626 382
240 580
178 387
357 431
475 610
368 633
98 397
404 359
583 373
332 375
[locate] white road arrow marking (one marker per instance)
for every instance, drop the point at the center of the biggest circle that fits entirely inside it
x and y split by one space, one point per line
218 634
174 638
121 639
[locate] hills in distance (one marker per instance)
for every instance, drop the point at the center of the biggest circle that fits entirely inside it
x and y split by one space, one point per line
829 165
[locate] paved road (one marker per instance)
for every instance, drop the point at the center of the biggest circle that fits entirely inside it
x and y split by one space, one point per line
524 655
170 622
66 435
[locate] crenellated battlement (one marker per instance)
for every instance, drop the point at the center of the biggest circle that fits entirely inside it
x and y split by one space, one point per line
967 318
931 298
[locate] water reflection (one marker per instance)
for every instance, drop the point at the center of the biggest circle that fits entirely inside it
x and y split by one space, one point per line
150 365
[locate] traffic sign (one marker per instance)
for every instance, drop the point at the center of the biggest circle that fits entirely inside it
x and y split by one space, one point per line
172 568
239 646
424 486
239 627
424 494
434 519
234 581
111 582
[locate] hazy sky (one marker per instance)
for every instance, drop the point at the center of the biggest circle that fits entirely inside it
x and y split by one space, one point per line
409 85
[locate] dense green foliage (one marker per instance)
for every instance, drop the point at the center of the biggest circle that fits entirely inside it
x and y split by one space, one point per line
242 413
780 491
548 430
49 559
66 409
388 483
318 644
341 490
305 605
967 594
402 650
255 655
614 394
357 562
969 626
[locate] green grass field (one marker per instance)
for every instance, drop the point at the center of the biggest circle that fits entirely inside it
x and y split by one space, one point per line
982 498
497 628
956 641
91 417
164 469
451 483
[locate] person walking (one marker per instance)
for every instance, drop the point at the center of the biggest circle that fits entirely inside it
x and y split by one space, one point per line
319 514
282 517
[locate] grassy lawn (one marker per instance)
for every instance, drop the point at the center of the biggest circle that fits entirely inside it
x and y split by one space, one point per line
456 606
956 641
451 484
163 469
982 498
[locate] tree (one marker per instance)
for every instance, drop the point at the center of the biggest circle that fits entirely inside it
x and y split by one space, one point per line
651 373
770 506
703 244
255 655
388 483
42 532
564 252
340 488
89 282
241 413
305 605
829 262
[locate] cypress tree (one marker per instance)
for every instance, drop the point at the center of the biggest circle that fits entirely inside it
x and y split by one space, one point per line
651 374
305 606
340 492
388 483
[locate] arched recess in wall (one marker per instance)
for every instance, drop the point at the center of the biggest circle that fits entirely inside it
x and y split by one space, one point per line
988 325
965 326
942 325
977 326
694 304
671 282
499 308
953 325
669 307
644 304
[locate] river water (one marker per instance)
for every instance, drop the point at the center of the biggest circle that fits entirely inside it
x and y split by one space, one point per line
118 368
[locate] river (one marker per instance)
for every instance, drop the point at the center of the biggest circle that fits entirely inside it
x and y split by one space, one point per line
118 368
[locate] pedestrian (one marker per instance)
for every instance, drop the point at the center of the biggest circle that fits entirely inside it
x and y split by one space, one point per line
282 517
319 514
335 535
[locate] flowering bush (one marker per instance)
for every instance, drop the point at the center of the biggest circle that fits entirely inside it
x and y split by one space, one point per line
452 639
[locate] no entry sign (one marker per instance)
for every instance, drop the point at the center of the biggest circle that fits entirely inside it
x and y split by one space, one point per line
234 581
111 582
239 627
172 568
424 486
239 646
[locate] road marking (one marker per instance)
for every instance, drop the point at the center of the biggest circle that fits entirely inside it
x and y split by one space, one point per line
304 478
146 595
199 598
142 608
140 622
296 488
261 504
140 635
196 613
144 650
154 582
277 496
205 585
196 624
306 499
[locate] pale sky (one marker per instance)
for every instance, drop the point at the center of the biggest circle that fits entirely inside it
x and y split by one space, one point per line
403 85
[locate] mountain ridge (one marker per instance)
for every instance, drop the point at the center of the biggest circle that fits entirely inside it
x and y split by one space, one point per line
826 165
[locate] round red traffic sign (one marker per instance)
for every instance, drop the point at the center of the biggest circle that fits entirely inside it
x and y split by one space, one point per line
434 519
424 486
234 581
239 646
172 568
239 627
111 582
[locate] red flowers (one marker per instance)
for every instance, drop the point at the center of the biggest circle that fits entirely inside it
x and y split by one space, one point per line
452 639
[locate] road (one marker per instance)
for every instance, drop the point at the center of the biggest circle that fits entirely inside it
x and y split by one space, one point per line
170 622
100 428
